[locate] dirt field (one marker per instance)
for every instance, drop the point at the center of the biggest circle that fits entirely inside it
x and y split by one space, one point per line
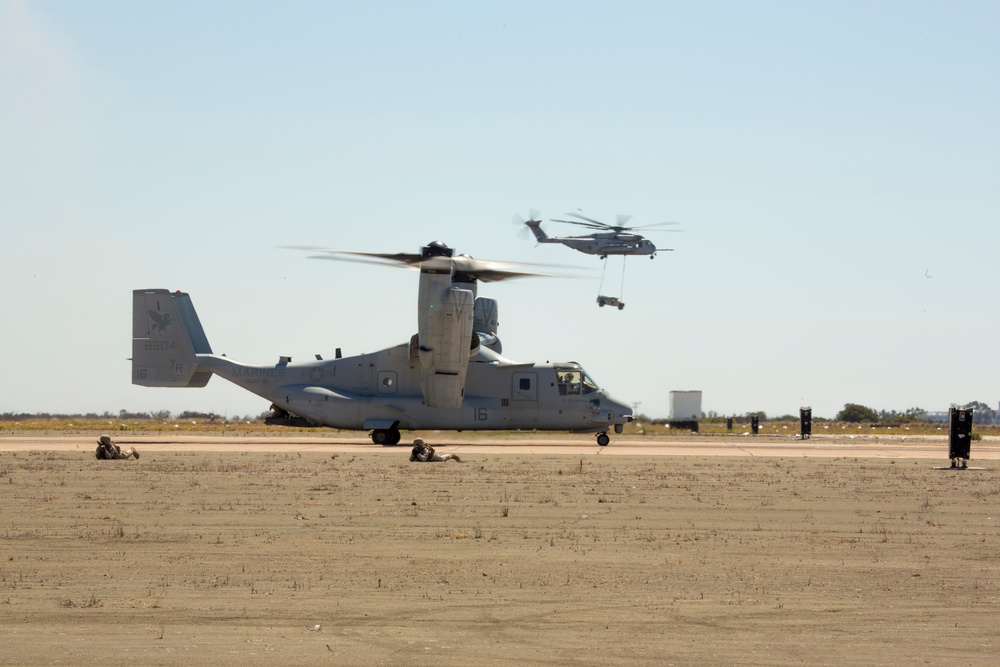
318 552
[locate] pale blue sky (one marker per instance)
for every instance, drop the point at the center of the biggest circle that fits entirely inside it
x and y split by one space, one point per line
824 159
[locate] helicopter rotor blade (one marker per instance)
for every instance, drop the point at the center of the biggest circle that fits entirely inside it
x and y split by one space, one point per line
399 257
358 260
480 269
590 220
657 227
524 233
588 225
485 270
620 219
533 216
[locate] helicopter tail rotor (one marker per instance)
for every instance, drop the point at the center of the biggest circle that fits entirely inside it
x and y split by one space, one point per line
524 232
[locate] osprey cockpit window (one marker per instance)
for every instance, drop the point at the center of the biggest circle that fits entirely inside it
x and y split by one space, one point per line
574 382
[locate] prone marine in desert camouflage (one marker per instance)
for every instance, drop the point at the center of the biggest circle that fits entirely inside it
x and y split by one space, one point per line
106 449
424 453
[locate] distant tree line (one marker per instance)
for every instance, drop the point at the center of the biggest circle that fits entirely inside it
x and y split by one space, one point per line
125 415
855 413
852 412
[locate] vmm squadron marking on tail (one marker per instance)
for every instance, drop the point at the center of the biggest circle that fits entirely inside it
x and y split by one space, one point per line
160 322
449 376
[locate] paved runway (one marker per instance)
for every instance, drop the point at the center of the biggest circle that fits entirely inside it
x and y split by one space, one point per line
915 447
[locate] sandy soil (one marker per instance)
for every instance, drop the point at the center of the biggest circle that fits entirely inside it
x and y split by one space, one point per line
316 551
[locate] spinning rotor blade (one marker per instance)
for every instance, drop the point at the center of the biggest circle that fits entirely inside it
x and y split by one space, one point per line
524 233
621 219
590 220
620 227
399 257
484 270
597 224
358 260
655 227
488 270
588 225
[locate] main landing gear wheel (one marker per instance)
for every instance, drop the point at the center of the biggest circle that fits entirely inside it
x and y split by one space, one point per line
603 439
385 436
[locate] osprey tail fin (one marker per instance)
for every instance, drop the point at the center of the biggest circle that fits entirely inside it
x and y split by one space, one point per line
166 338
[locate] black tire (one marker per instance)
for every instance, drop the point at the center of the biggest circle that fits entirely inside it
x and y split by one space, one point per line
394 437
603 440
380 436
621 306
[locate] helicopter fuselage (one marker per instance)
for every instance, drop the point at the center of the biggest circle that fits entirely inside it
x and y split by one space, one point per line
615 241
607 244
381 391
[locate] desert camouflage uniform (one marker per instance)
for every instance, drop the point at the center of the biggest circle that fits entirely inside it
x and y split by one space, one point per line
109 450
424 453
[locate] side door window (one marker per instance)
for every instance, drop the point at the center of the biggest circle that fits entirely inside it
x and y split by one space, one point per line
525 387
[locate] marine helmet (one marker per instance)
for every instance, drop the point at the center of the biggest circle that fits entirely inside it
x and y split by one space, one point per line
104 440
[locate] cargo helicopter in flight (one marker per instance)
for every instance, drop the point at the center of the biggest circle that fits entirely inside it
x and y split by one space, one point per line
605 239
450 375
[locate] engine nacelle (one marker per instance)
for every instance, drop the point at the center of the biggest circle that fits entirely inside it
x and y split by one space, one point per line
488 341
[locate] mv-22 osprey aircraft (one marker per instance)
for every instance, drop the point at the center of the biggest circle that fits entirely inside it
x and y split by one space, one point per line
449 376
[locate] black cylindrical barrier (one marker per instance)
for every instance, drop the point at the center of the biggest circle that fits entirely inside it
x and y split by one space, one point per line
959 436
729 423
805 421
755 424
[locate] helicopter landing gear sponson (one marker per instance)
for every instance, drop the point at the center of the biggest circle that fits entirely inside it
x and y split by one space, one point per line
603 440
385 436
